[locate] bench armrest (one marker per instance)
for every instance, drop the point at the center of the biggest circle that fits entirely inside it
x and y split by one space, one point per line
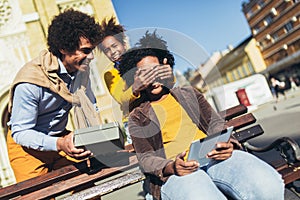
288 148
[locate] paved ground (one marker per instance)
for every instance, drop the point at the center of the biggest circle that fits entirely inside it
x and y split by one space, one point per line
278 120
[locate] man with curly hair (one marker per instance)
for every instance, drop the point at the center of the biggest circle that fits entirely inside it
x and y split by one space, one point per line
42 95
162 128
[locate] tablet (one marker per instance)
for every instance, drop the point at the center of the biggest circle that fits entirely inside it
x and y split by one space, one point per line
200 148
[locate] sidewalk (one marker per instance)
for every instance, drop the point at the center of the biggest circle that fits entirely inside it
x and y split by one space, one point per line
283 121
290 104
279 122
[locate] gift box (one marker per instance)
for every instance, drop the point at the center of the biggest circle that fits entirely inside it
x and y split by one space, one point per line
101 139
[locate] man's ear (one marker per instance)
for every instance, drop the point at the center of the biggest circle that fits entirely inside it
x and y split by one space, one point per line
165 61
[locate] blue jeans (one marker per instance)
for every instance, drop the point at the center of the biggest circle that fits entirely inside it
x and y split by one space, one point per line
242 176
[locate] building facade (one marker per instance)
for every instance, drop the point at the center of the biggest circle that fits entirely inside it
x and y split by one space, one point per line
273 49
276 27
240 62
23 32
199 76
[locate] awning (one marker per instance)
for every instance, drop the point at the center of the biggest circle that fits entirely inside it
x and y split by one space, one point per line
284 63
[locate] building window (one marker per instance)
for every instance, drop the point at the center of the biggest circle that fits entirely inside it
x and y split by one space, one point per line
294 19
229 77
249 13
268 20
250 67
257 28
288 27
261 3
296 45
225 79
244 70
275 37
274 11
238 74
241 72
264 43
233 74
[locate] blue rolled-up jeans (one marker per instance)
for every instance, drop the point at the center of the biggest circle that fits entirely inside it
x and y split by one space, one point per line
242 176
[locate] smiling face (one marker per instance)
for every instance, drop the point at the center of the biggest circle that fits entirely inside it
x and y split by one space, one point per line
150 62
112 48
80 59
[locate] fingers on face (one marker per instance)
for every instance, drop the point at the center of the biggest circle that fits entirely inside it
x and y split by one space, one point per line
148 76
164 72
153 74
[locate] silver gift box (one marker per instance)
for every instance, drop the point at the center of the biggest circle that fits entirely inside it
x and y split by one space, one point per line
101 139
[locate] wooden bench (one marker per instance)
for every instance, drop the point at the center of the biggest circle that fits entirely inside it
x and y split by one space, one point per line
80 181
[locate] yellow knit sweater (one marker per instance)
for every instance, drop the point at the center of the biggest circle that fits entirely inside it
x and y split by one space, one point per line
118 89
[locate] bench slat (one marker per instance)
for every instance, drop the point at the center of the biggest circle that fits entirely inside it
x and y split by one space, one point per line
233 112
290 173
242 121
39 182
53 177
107 186
249 133
81 181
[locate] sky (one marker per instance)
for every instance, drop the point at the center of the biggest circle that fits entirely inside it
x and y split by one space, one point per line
206 25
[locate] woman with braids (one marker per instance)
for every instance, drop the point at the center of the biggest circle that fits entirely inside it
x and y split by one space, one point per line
114 46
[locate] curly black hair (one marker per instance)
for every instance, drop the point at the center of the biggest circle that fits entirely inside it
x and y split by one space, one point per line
111 28
130 59
152 40
68 27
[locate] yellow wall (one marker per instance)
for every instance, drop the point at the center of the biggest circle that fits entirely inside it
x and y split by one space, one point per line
255 56
234 65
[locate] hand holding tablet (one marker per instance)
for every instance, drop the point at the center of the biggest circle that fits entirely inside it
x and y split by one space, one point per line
200 148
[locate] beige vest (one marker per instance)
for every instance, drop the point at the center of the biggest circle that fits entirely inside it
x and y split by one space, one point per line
42 71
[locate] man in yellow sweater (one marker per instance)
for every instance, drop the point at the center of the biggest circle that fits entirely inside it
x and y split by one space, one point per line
167 121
